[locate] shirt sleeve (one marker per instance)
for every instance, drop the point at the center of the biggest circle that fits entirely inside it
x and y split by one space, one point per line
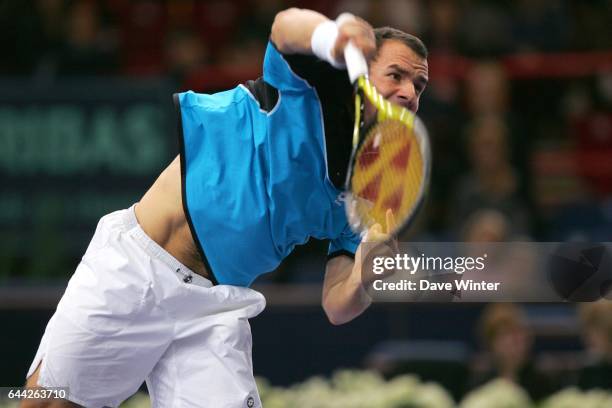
278 73
345 244
299 71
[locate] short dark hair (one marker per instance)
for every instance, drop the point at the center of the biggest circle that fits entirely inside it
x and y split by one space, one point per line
389 33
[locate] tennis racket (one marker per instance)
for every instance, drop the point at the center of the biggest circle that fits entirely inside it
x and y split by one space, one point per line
390 162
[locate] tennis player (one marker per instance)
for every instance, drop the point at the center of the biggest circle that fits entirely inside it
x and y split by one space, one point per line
162 293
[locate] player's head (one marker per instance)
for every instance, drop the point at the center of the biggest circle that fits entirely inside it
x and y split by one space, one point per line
399 70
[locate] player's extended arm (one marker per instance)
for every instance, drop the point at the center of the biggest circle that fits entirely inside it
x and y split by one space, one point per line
292 33
344 296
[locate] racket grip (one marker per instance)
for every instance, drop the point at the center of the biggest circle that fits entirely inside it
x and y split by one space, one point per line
356 63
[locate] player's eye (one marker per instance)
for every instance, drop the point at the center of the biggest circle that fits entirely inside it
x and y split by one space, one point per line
395 76
419 87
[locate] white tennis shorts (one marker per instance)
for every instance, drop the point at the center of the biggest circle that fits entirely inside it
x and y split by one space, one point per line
129 315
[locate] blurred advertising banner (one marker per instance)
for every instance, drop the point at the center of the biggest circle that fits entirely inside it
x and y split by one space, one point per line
488 272
71 152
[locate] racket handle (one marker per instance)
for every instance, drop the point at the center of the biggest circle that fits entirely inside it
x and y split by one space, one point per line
356 63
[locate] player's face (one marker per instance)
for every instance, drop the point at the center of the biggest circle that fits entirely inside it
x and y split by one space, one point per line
399 74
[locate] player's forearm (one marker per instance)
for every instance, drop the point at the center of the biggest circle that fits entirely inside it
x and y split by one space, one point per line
292 30
343 295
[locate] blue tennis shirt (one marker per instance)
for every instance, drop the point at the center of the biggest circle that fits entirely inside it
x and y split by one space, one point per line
255 178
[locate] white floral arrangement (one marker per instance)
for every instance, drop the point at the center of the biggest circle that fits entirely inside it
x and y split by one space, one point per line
367 389
573 397
505 394
356 389
498 393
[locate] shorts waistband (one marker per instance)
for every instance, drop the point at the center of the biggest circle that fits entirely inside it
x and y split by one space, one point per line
151 247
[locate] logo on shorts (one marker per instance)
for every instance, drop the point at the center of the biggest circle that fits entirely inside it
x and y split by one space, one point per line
250 402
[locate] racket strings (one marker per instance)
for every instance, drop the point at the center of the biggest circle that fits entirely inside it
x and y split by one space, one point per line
387 173
390 163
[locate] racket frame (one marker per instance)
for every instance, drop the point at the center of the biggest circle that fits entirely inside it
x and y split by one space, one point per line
364 90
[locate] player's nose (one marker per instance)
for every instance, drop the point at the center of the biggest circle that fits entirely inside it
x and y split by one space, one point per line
407 97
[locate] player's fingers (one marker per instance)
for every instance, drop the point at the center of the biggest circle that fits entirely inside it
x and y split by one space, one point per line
356 27
375 229
362 28
366 45
360 33
375 233
391 222
391 227
338 50
366 39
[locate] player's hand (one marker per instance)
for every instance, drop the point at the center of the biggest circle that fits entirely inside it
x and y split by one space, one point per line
360 32
378 242
377 233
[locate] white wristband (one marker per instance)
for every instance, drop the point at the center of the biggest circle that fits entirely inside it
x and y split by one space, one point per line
323 40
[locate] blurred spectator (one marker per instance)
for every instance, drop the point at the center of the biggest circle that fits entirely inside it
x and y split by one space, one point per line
442 31
143 29
246 51
596 319
508 343
488 92
513 265
487 89
218 21
256 24
406 15
486 225
56 37
589 121
53 14
90 44
539 26
31 33
241 59
185 54
492 181
441 106
590 26
577 162
486 29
